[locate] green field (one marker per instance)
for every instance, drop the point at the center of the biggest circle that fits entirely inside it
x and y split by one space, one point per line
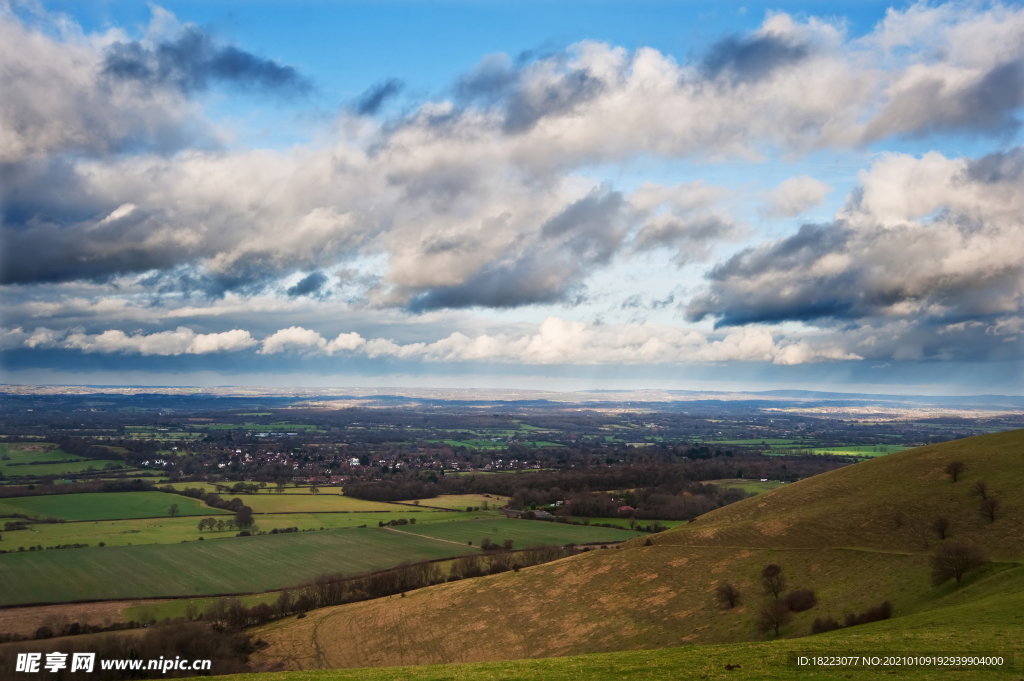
250 564
460 502
176 608
310 503
524 533
175 530
105 506
22 457
748 486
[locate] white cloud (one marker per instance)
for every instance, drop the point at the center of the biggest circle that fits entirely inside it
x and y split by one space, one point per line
178 342
794 196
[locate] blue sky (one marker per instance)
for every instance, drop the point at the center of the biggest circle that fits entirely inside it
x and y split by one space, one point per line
566 195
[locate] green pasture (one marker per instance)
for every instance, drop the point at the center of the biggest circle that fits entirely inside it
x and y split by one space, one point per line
524 533
107 505
748 486
173 609
23 459
176 530
244 565
459 502
309 503
624 522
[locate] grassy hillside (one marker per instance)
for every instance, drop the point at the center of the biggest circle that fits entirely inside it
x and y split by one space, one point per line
837 534
889 503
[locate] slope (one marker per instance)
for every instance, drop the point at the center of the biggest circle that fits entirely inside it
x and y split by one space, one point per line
836 533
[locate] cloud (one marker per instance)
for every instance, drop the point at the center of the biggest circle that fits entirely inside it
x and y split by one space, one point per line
299 339
310 284
180 341
370 102
794 196
752 57
926 238
57 99
191 61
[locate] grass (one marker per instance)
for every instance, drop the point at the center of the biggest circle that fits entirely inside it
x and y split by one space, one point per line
991 623
310 503
176 608
887 503
106 506
23 458
176 530
251 564
460 502
524 533
748 486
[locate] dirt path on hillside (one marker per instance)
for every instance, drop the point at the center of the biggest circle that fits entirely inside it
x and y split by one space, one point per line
423 536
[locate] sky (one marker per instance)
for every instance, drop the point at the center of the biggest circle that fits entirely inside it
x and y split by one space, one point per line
551 195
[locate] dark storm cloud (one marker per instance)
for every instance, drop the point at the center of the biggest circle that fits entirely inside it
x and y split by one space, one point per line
998 167
583 236
525 100
988 105
192 61
49 253
370 102
746 58
308 285
734 302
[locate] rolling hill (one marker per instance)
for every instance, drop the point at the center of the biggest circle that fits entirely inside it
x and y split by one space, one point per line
857 536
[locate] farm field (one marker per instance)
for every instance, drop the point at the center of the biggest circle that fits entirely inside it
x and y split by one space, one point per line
176 530
460 502
25 458
106 506
524 533
244 565
310 503
748 486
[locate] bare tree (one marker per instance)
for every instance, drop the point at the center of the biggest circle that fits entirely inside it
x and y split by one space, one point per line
980 489
173 510
728 595
774 581
988 508
954 560
772 617
941 527
955 469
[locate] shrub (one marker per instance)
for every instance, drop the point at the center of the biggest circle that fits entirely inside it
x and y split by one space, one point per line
801 599
989 508
875 614
772 617
954 560
980 489
773 580
941 527
728 595
824 624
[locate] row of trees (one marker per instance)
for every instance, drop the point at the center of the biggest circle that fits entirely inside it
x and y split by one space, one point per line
335 589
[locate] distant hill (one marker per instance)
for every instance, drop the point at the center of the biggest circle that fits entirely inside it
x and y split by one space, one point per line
857 536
